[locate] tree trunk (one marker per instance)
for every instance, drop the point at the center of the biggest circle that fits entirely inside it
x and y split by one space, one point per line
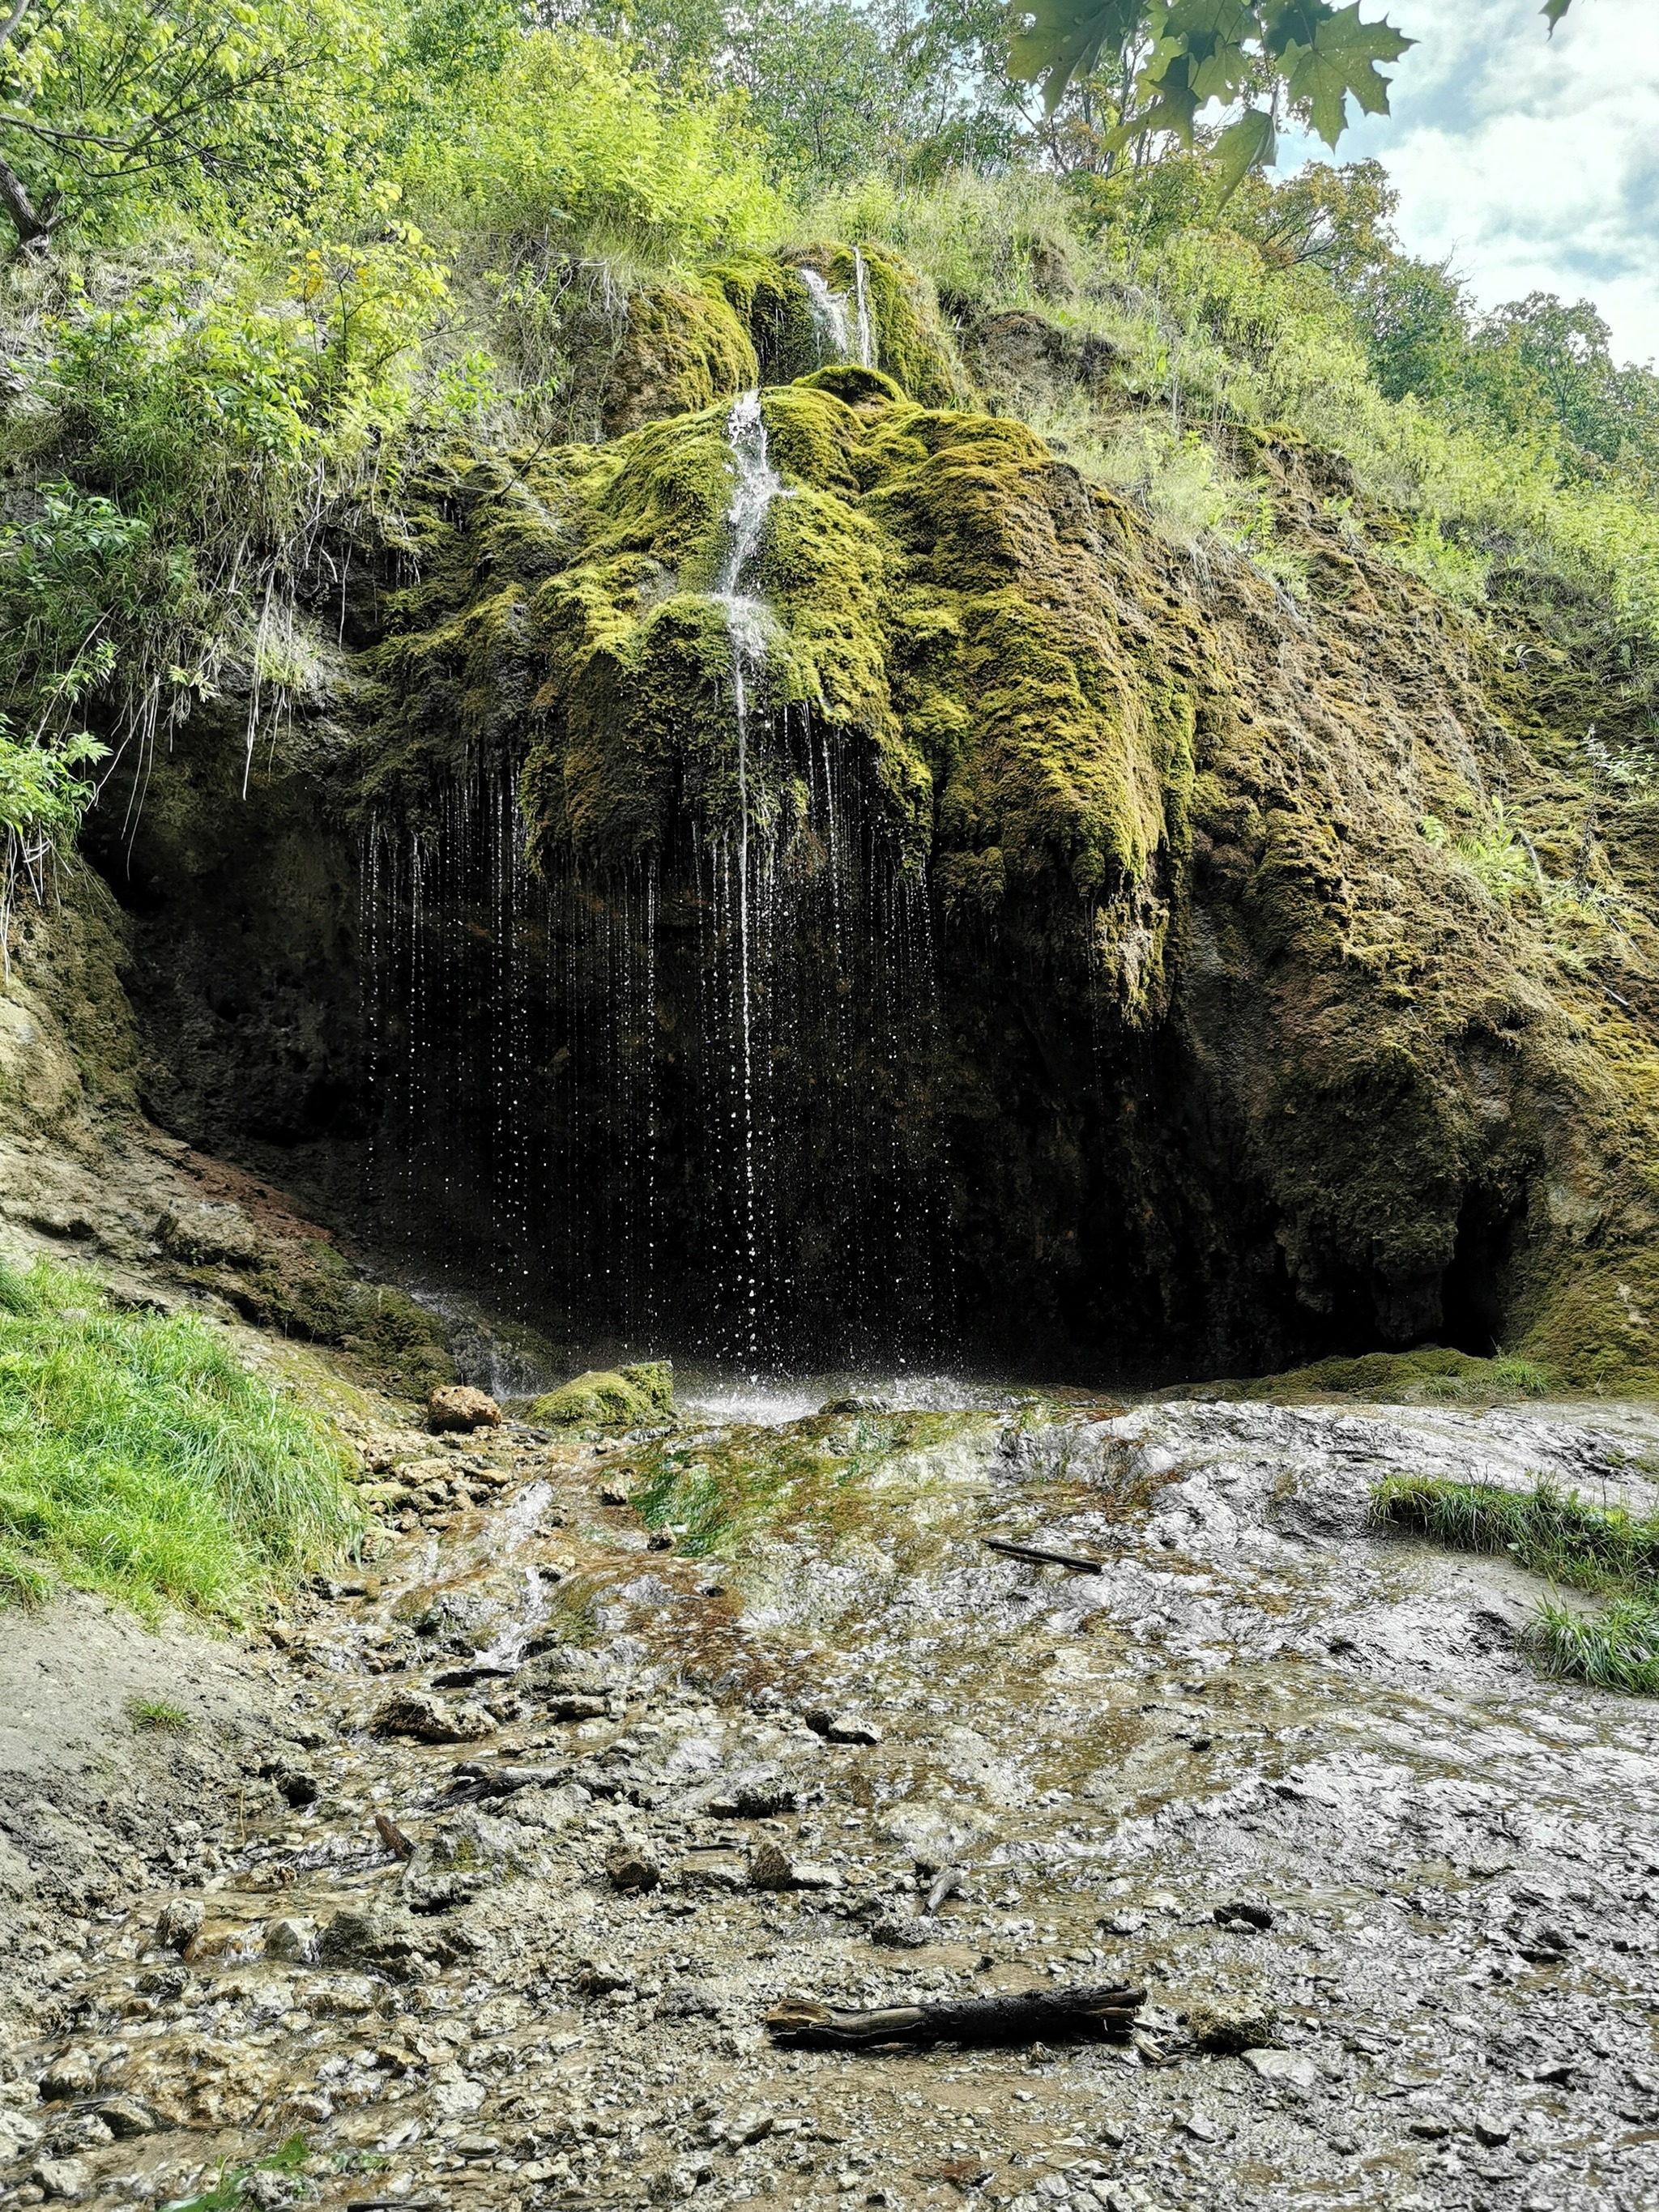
32 228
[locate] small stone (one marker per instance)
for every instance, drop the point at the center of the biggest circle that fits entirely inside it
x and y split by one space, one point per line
1284 2070
1230 2025
842 1728
750 2127
430 1719
474 2147
180 1924
632 1867
897 1932
60 2177
293 1940
1202 2128
1427 2128
771 1868
271 2190
71 2074
1493 2129
1249 1912
455 1405
125 2116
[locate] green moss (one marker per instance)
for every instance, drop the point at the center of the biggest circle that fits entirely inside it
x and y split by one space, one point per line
682 349
811 1476
606 1398
911 347
1387 1378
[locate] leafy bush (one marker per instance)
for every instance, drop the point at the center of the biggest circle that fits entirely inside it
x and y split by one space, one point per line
139 1459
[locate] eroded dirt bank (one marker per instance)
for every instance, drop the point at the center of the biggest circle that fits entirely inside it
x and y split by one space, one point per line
1438 1991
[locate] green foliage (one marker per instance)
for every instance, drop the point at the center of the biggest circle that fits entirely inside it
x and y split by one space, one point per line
137 1458
108 105
1605 1549
230 2192
1314 56
564 138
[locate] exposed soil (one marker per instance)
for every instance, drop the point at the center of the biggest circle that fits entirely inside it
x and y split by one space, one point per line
1259 1704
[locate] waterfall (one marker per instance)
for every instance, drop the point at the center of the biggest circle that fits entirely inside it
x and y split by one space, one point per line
862 292
830 334
687 1105
755 487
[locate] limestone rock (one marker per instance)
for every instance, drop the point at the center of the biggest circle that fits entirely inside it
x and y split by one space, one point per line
180 1924
772 1868
631 1867
71 2074
125 2116
60 2177
430 1719
457 1406
294 1941
1283 2069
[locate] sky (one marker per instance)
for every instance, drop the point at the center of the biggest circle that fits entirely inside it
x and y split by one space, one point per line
1533 162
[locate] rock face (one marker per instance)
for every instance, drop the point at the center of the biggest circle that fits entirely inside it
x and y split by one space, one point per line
1137 963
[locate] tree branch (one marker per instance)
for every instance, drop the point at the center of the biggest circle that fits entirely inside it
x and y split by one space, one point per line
31 227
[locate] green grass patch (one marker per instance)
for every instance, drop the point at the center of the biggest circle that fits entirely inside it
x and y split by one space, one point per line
1604 1549
138 1458
157 1716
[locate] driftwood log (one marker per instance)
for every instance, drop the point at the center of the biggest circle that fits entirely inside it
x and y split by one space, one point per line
1074 1560
1009 2020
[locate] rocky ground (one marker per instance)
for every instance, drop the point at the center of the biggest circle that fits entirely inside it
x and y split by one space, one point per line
473 1880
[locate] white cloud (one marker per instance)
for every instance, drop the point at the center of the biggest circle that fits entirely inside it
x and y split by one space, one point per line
1533 162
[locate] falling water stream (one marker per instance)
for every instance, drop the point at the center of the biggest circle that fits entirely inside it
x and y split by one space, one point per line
687 1105
836 339
756 486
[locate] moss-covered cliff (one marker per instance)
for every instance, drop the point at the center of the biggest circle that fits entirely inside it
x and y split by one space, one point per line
1290 951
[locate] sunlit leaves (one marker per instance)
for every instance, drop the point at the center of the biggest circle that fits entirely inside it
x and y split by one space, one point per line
1339 57
1303 55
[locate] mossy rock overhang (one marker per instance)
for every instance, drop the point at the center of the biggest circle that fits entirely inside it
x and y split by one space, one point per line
1172 830
1236 1068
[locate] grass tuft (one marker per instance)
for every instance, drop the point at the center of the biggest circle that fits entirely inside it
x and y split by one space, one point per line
138 1459
1604 1549
157 1716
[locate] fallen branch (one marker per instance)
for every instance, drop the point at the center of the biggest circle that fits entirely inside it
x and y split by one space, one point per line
799 2025
1078 1565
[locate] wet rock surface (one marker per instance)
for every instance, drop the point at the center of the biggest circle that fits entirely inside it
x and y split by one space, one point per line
1391 1894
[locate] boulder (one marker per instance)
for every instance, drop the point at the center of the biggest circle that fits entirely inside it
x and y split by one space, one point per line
457 1406
429 1719
631 1867
180 1924
610 1398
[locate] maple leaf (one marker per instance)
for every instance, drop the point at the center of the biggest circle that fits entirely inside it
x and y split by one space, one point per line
1252 142
1063 38
1341 59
